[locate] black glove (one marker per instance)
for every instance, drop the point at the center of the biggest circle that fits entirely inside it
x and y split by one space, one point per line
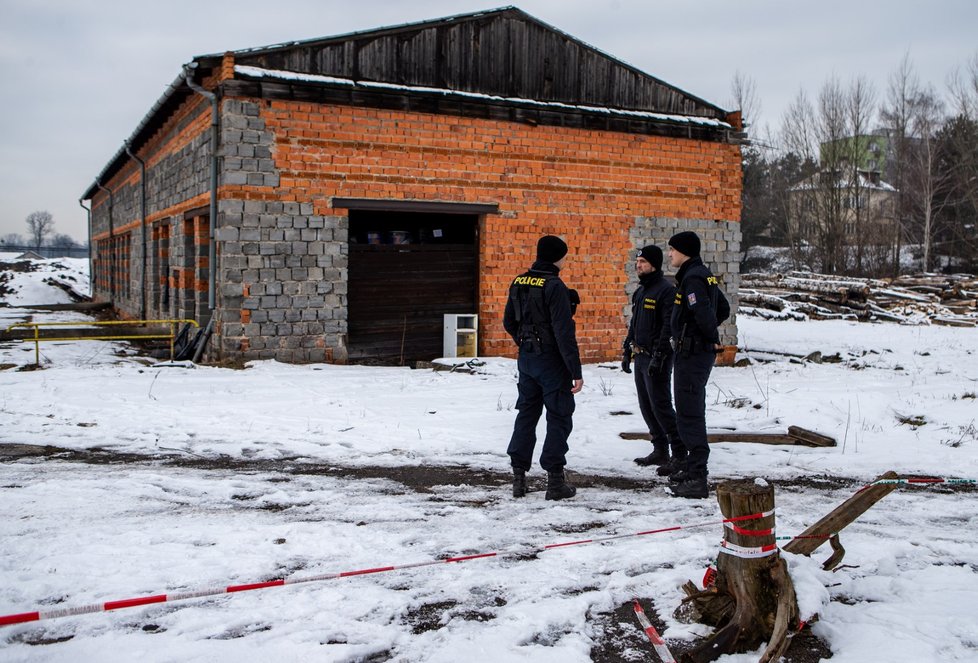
657 361
626 361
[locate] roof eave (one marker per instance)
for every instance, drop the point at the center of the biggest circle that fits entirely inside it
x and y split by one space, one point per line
663 119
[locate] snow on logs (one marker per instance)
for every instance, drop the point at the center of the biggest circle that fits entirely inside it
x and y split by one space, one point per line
943 299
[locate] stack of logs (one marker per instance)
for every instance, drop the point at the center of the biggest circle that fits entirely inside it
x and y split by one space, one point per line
942 299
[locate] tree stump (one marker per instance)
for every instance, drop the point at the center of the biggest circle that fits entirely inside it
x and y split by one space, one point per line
753 599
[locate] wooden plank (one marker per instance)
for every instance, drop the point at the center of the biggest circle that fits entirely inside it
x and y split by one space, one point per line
716 438
810 438
808 541
757 438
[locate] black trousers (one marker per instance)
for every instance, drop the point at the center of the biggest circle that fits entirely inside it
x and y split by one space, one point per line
689 380
544 382
655 402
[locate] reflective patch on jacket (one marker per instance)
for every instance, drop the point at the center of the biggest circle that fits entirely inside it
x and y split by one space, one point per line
535 281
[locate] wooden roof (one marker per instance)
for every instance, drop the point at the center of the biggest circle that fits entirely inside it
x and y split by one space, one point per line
503 52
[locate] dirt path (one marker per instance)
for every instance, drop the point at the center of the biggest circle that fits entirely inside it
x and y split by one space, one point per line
418 478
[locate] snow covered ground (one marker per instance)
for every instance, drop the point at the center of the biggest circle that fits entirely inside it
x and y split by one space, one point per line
282 468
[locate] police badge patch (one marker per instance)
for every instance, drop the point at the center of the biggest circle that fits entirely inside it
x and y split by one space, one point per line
691 297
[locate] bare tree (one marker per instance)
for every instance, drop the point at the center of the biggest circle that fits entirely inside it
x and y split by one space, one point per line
798 140
828 206
39 225
12 239
744 98
861 109
927 180
754 200
963 87
897 115
62 241
818 133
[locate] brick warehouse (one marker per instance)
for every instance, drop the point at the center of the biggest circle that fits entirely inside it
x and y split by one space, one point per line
362 186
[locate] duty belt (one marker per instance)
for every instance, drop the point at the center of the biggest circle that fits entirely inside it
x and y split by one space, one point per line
639 350
690 344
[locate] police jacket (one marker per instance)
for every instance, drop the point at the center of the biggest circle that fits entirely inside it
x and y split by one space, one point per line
651 313
694 313
538 315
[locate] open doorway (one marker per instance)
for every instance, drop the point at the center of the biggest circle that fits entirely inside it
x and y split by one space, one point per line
406 270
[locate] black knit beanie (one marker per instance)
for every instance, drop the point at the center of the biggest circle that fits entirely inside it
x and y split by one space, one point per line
653 254
686 242
551 248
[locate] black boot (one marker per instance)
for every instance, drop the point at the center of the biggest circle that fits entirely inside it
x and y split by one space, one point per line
557 486
519 482
674 465
682 475
659 456
692 488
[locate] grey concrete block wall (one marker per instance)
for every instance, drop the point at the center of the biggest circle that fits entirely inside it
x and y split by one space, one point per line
246 148
282 270
277 299
170 181
720 241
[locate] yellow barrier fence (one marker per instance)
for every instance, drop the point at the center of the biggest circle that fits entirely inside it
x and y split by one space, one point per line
37 339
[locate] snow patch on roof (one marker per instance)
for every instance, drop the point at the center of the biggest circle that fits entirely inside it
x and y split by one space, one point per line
278 74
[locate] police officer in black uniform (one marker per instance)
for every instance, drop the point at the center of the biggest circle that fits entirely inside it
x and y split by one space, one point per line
539 318
698 309
648 342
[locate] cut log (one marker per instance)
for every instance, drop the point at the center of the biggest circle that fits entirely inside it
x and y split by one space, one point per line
841 288
750 571
770 302
941 298
953 322
810 438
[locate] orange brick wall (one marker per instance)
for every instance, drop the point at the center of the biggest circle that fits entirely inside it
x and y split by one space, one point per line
586 186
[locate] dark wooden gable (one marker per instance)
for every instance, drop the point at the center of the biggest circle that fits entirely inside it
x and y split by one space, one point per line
504 52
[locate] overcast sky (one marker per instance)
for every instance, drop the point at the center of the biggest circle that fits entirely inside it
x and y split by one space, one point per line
78 75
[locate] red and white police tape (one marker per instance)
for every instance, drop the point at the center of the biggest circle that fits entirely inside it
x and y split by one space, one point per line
917 481
24 617
20 618
657 642
745 552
